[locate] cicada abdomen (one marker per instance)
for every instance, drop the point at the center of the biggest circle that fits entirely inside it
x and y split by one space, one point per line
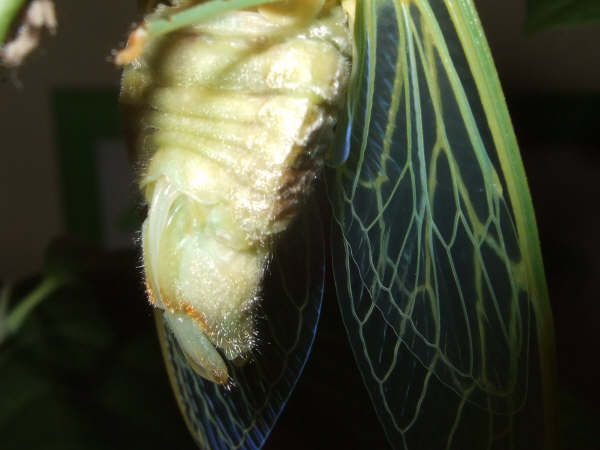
228 121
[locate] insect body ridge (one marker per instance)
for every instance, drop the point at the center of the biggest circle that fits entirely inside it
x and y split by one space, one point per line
230 121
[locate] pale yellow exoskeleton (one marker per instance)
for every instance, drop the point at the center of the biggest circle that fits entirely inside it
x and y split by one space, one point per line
229 121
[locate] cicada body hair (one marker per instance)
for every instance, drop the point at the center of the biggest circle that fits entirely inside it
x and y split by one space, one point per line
229 120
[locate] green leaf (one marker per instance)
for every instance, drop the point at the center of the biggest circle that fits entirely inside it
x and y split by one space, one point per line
85 370
545 14
8 10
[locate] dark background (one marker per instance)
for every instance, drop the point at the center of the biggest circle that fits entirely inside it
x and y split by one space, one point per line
85 371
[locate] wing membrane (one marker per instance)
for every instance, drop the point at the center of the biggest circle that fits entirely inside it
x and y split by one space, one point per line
438 268
241 416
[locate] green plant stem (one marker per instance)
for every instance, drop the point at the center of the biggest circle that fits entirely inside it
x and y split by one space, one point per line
8 10
191 15
15 318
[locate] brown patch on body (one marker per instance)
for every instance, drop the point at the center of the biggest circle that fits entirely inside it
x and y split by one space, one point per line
150 294
191 312
296 185
188 310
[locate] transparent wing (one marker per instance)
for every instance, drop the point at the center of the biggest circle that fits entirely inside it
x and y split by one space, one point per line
242 416
437 266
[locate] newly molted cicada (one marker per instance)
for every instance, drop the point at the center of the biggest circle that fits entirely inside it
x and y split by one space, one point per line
233 108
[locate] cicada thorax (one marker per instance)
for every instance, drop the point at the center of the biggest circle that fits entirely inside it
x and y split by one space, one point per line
229 121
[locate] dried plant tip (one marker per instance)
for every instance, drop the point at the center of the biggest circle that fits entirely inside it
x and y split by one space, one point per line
134 48
40 14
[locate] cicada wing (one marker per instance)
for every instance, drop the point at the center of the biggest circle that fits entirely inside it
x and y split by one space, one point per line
437 265
242 415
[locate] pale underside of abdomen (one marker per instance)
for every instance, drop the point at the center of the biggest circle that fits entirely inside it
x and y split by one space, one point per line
229 121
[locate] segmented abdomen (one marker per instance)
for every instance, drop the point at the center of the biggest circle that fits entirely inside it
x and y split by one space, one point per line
229 121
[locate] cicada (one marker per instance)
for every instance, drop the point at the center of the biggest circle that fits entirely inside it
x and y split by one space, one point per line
235 110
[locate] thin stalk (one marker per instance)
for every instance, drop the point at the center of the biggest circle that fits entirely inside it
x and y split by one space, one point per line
192 15
11 323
